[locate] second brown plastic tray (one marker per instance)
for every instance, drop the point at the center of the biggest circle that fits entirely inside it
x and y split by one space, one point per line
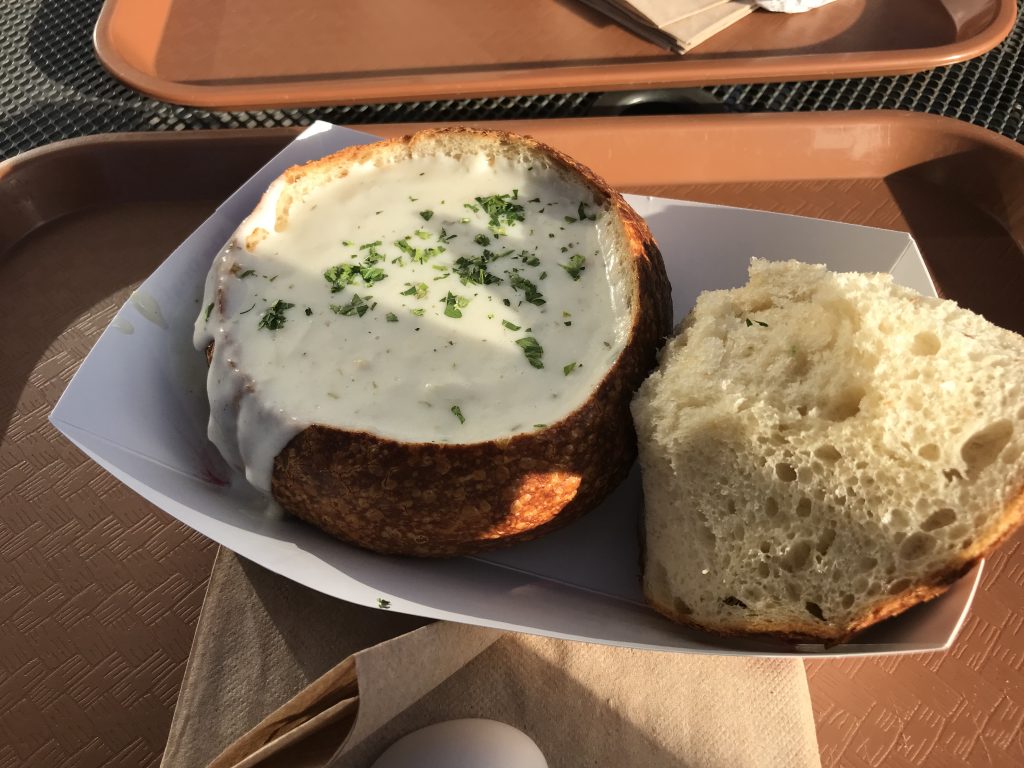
235 54
101 590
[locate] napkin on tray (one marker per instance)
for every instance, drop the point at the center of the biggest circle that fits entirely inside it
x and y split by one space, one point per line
680 25
272 659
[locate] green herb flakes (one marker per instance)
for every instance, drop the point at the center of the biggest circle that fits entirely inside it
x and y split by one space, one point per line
309 311
533 350
392 317
356 306
383 604
273 318
501 210
758 322
422 234
511 326
246 273
250 309
419 290
567 369
418 312
482 240
577 264
209 309
582 214
458 414
454 304
426 215
530 292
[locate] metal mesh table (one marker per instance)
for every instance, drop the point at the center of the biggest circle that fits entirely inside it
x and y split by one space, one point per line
52 87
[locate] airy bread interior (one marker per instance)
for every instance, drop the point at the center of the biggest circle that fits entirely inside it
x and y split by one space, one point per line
822 450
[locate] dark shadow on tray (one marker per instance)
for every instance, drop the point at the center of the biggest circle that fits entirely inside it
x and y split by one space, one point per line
82 224
966 212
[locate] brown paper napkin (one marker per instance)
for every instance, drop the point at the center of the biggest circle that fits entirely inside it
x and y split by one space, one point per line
678 25
261 665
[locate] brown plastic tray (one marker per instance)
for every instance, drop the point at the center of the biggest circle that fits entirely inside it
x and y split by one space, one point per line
101 590
235 54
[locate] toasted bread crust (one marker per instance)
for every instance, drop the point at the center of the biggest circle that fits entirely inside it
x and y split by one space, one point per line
431 500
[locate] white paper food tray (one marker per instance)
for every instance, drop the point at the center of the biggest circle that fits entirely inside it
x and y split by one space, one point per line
138 407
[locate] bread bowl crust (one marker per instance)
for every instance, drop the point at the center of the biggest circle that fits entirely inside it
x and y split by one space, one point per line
432 500
921 591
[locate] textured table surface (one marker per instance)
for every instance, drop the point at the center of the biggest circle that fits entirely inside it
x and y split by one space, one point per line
59 638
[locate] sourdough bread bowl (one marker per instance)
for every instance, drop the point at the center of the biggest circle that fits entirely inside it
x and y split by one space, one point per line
821 451
427 346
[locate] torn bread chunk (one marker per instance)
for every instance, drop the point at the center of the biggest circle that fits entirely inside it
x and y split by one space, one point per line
821 451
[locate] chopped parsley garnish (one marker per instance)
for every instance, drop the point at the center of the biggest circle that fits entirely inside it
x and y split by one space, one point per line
444 237
482 240
582 214
749 323
273 318
535 200
458 414
567 369
528 259
520 283
250 309
427 215
418 312
453 304
511 326
422 234
309 311
473 208
570 220
473 269
347 243
357 306
246 273
577 264
419 255
419 290
501 210
382 603
341 275
533 350
392 317
209 309
540 426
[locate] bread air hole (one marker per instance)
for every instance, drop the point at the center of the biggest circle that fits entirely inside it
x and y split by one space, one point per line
771 507
825 540
681 607
916 546
803 507
925 343
785 472
763 570
828 453
900 585
796 556
866 564
982 448
847 601
929 452
940 518
846 404
734 602
815 610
